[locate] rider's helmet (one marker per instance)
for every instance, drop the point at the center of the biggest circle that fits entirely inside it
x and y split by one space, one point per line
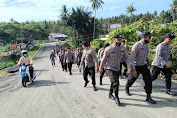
24 52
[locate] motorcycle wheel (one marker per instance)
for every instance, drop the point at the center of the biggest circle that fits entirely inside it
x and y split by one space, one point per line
23 83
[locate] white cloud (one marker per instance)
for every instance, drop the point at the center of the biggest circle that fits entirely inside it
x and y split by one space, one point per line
116 7
37 10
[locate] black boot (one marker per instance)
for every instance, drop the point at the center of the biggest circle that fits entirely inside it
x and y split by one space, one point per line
127 91
117 101
100 81
125 74
111 96
70 73
169 92
86 82
94 88
150 100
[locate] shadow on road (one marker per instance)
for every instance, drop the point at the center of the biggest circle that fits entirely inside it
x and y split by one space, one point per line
41 70
36 58
161 102
40 83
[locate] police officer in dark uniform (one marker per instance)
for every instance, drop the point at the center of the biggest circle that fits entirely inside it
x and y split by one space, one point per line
111 58
160 62
89 56
139 57
100 57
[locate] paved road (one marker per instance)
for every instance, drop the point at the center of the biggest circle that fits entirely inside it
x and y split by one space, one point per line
56 94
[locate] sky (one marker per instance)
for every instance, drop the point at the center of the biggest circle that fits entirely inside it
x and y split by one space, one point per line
40 10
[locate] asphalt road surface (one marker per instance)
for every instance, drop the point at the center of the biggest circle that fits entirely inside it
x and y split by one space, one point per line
56 94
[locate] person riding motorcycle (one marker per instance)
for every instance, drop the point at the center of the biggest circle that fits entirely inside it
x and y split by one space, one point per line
27 60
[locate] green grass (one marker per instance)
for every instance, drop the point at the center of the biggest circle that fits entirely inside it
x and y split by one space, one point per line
7 64
33 51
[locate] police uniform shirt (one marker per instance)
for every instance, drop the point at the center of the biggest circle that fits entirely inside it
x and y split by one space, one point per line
162 55
62 56
101 54
112 57
99 51
139 54
89 56
68 57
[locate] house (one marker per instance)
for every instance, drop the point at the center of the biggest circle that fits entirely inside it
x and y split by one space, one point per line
57 37
115 26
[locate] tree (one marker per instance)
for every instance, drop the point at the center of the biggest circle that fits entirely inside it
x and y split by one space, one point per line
96 4
64 13
155 14
130 10
173 9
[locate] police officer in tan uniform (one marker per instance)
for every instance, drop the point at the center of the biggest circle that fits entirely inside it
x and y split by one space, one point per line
88 57
113 54
100 57
139 57
68 59
160 62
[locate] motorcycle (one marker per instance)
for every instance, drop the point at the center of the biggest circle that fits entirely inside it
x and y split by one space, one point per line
25 74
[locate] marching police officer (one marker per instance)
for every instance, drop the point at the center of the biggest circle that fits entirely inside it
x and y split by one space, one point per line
68 59
160 62
139 56
123 63
62 55
111 58
100 57
89 56
79 56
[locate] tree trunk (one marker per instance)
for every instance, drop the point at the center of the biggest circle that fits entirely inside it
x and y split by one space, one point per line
94 26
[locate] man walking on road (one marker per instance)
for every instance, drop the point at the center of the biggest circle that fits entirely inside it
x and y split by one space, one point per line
113 54
62 55
123 63
139 56
89 57
100 57
52 58
79 56
68 59
160 62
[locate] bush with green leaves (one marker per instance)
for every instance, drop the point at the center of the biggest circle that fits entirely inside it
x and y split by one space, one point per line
97 44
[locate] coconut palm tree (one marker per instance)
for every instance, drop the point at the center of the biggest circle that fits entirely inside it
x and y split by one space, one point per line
130 10
64 12
96 4
173 9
